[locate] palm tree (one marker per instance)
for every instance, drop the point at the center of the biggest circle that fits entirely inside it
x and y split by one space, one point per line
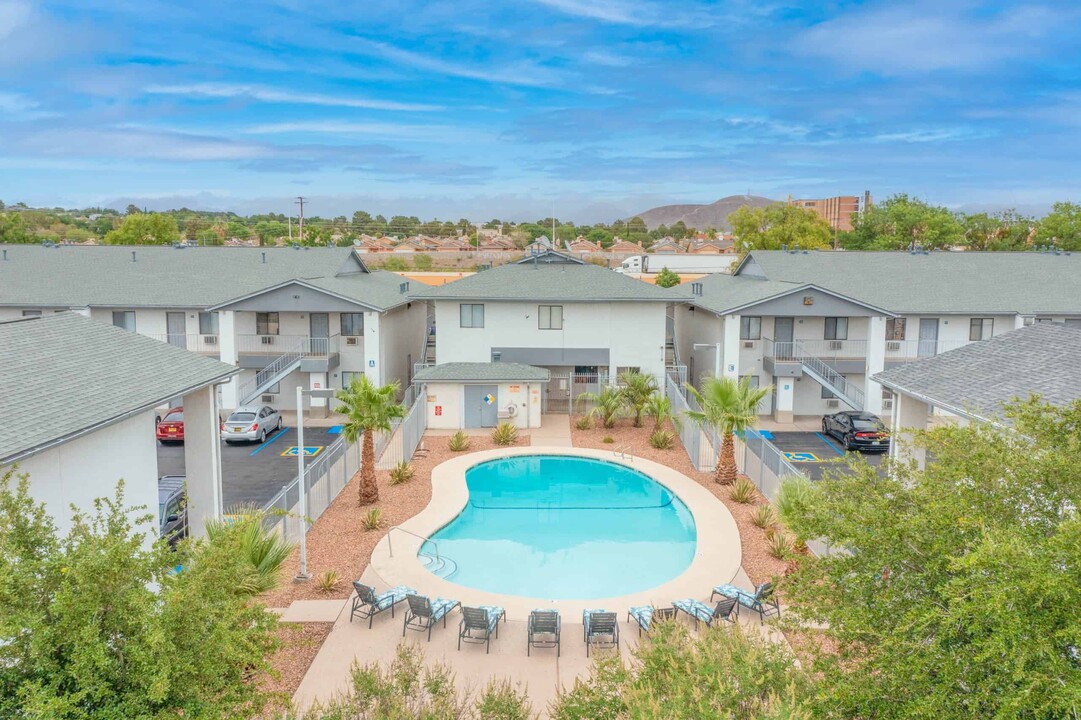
729 407
264 551
369 408
660 409
637 390
607 404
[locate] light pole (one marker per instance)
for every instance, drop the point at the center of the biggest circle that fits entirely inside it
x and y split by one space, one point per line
302 574
717 362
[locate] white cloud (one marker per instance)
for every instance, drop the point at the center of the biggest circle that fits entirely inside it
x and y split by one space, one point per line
435 133
524 74
13 15
642 13
608 59
273 95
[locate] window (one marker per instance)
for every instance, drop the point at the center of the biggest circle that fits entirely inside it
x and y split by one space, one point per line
31 313
352 324
124 319
750 328
980 328
266 323
472 316
208 323
586 373
895 328
826 394
550 317
836 328
348 378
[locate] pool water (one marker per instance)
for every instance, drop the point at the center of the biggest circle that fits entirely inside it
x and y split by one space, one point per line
562 527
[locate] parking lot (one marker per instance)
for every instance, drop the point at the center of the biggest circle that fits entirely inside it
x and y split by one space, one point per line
253 473
813 451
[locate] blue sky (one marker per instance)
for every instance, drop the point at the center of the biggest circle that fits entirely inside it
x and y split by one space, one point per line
475 108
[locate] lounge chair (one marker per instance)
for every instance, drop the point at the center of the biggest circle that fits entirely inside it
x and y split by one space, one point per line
423 613
545 623
597 625
762 601
366 604
644 615
479 623
704 613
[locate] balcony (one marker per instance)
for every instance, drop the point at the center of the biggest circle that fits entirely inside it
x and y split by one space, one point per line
899 351
202 344
318 354
783 359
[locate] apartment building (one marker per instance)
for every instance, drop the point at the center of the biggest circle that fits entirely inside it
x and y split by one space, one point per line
288 317
837 211
580 322
818 326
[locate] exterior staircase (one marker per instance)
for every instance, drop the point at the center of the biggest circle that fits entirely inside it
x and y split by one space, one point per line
821 372
272 373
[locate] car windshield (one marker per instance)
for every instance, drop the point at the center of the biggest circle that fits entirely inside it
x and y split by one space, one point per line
241 417
174 417
861 424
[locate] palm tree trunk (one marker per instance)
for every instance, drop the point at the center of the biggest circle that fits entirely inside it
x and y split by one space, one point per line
726 463
369 491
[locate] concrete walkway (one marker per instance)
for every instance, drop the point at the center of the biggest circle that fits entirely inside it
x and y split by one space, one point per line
555 431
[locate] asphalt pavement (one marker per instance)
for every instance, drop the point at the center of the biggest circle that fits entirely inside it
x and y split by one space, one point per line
813 452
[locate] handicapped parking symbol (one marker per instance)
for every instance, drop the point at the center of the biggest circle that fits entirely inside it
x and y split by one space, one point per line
802 457
309 451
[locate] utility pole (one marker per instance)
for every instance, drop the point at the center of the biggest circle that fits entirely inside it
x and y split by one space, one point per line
290 219
300 202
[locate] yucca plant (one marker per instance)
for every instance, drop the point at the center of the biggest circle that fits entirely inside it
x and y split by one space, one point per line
401 473
372 519
607 404
327 581
659 408
584 423
662 439
636 392
779 545
458 442
764 516
729 407
369 408
743 491
264 551
505 433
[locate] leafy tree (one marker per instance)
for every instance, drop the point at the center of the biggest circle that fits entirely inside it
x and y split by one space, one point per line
269 231
422 261
145 229
1061 227
638 388
132 209
600 236
370 408
899 223
13 229
667 278
723 673
770 227
97 624
395 264
959 595
729 407
1001 231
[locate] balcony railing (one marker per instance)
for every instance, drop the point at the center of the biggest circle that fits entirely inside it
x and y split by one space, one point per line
915 349
278 344
203 344
825 349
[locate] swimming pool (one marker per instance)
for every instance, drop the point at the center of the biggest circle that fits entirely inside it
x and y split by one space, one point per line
561 527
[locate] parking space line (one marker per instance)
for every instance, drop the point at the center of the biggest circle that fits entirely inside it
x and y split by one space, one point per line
826 440
280 433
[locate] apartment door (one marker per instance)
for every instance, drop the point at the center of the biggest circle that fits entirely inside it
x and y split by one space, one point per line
928 344
175 326
319 327
783 331
480 410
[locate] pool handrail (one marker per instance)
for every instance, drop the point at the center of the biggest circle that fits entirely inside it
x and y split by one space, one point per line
622 452
399 528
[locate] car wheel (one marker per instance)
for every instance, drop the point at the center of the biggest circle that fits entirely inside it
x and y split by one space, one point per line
848 442
262 436
825 428
279 426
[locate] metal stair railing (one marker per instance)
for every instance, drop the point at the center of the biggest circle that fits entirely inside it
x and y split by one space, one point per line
266 377
833 380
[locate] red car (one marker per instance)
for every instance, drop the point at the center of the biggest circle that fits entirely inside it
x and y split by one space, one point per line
171 427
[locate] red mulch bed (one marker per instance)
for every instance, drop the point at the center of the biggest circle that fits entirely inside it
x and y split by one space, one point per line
300 643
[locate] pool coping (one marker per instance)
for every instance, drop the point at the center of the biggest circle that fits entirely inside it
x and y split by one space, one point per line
717 558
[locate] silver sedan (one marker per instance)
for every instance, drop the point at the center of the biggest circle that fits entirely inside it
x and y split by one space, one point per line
251 423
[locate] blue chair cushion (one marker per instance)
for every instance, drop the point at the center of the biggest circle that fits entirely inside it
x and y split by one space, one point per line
740 595
643 615
393 596
441 607
696 609
494 614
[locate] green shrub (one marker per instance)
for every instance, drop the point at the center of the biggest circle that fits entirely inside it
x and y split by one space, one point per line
780 546
395 264
505 433
422 261
584 423
372 519
264 551
662 439
608 439
458 442
764 516
743 491
401 473
327 581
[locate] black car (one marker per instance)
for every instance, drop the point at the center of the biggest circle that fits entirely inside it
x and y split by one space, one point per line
857 430
172 508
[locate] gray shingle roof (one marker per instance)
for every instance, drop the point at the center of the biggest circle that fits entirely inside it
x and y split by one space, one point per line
64 374
482 372
723 293
1027 283
105 276
552 282
978 378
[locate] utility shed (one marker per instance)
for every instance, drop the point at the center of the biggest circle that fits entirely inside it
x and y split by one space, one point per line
463 395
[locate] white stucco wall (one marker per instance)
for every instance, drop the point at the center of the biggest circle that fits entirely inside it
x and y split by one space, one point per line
402 333
79 471
447 400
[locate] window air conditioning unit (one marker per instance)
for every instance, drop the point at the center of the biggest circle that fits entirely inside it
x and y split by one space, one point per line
836 344
211 339
267 339
749 344
893 346
267 398
352 341
887 404
833 404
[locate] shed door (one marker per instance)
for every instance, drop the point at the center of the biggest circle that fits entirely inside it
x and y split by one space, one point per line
480 409
175 326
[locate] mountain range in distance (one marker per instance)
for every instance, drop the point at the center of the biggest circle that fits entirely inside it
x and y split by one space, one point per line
714 215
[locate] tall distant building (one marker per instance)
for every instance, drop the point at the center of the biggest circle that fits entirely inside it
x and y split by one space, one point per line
837 211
